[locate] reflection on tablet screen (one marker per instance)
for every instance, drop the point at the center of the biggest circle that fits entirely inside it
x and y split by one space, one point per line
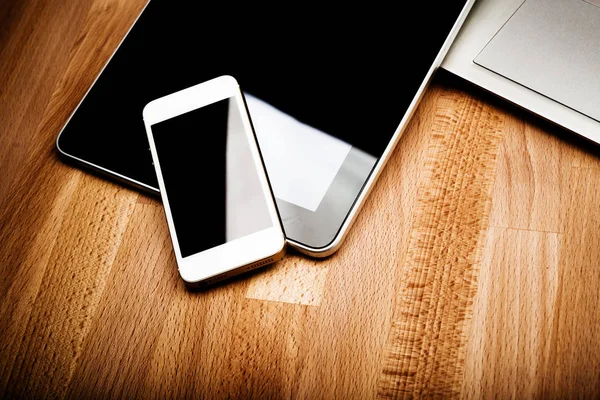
301 161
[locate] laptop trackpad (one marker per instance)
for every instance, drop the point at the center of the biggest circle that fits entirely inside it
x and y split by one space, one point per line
551 47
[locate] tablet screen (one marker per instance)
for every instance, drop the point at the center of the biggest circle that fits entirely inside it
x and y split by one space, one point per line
326 88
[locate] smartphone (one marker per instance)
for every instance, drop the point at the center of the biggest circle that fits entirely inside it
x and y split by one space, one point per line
217 197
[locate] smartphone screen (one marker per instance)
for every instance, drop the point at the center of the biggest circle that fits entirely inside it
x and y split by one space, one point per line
210 177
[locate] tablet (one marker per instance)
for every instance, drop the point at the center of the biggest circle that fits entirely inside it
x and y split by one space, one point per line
329 90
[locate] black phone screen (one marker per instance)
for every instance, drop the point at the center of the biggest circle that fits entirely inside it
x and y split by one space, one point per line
326 86
211 182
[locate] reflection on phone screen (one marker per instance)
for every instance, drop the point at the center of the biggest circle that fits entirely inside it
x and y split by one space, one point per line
213 188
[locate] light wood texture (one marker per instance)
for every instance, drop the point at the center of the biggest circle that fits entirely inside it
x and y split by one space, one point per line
438 278
471 272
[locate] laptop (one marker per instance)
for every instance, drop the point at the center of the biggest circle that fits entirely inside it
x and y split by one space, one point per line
542 55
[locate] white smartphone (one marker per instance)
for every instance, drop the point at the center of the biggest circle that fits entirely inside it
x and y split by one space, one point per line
217 197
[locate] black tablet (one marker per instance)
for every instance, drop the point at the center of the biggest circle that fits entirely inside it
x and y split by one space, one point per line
329 89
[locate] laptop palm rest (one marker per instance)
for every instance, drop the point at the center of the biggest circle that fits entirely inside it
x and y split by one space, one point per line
551 47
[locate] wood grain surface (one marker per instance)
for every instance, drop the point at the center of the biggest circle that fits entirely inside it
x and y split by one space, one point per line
472 271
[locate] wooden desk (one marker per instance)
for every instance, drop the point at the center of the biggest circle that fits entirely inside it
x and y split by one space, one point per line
473 270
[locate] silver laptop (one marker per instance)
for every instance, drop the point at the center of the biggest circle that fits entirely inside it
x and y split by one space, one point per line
543 55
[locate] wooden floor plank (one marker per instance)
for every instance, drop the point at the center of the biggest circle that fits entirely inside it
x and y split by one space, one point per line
75 273
532 336
575 356
510 337
21 285
528 193
191 356
438 281
31 64
131 313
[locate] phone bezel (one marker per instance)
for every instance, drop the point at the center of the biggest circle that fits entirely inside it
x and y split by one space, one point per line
264 245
